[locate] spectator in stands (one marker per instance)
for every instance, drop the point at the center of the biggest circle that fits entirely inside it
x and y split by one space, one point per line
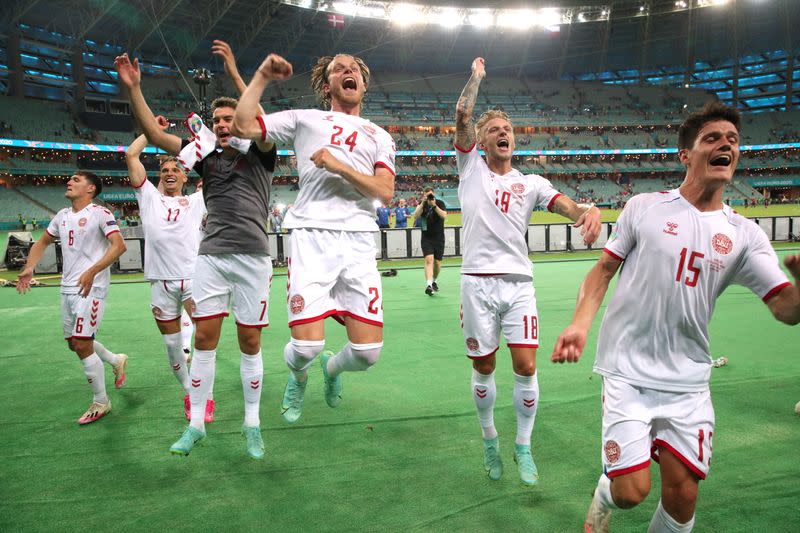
401 214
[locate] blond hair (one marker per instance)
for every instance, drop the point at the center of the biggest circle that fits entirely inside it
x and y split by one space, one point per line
320 72
486 117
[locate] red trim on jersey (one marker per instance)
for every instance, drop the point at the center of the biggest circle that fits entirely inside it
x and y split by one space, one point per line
552 201
259 326
623 471
612 254
140 185
775 290
484 356
199 318
263 128
110 233
661 444
381 164
361 318
457 147
521 345
485 275
46 230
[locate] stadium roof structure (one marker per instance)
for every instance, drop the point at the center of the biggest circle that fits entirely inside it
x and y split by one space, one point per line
614 41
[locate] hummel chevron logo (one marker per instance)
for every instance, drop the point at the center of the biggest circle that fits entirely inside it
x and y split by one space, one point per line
480 393
196 383
528 403
254 384
176 367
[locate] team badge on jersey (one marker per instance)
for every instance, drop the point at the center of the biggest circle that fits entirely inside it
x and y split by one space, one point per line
518 188
369 129
297 304
612 451
183 202
722 243
82 222
472 344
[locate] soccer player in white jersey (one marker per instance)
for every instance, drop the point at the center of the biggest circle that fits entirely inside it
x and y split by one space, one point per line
233 268
680 250
497 291
171 223
90 243
345 162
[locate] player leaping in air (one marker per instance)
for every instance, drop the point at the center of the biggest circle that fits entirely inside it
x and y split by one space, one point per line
345 162
497 291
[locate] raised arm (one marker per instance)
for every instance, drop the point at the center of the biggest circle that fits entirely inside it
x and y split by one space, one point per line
465 130
224 51
785 305
572 340
131 76
34 256
585 217
136 171
245 121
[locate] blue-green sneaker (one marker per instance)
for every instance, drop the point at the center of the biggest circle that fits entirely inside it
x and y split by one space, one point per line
333 386
293 399
525 465
255 444
187 441
491 458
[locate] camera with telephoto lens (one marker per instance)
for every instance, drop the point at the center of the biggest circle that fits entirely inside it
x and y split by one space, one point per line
431 196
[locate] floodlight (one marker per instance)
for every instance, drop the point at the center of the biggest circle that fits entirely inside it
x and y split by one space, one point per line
480 18
448 17
517 19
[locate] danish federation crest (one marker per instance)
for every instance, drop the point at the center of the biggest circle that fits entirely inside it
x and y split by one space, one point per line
518 188
183 202
195 124
297 304
722 243
612 451
472 344
82 222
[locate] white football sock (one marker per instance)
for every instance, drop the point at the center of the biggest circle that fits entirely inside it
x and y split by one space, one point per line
95 374
105 354
177 359
484 392
662 522
299 355
603 493
201 379
354 358
251 368
526 402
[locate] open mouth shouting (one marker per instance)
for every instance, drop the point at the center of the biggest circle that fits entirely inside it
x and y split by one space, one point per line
349 84
721 160
503 144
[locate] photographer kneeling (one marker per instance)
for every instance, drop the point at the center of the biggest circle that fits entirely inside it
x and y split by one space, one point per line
431 212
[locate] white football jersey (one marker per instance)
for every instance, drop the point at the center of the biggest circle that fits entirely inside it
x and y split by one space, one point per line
327 200
172 232
495 214
84 241
678 260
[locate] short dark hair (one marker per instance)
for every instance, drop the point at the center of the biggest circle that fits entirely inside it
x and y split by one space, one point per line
426 189
93 179
224 101
710 112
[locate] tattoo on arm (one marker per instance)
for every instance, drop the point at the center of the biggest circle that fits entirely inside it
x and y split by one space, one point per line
465 131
